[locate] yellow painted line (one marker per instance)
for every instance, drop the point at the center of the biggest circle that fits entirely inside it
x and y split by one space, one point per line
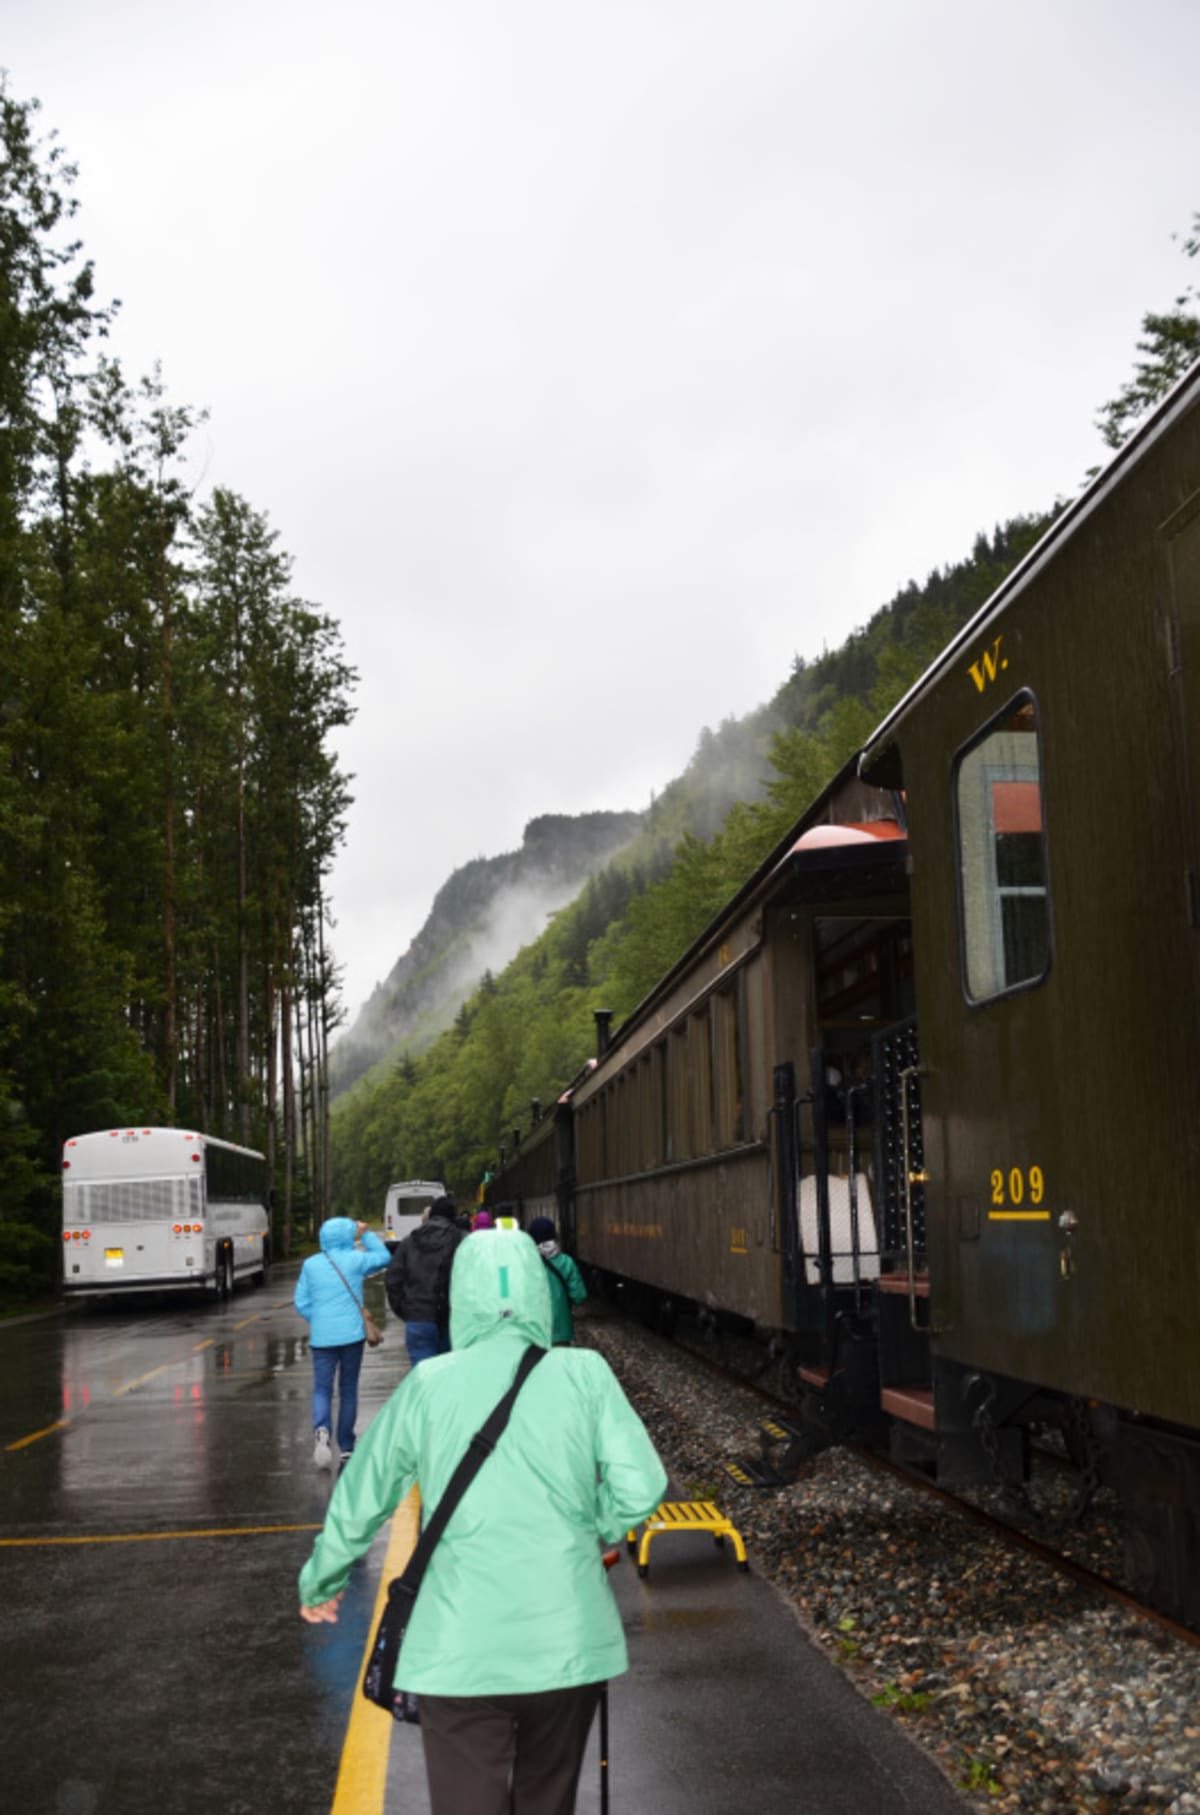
157 1537
1018 1216
362 1777
197 1346
47 1431
142 1378
246 1320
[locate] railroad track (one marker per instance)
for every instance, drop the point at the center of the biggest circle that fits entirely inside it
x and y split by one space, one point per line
1007 1529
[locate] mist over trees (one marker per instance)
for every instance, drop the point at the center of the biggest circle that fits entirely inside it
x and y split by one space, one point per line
169 805
526 1034
481 916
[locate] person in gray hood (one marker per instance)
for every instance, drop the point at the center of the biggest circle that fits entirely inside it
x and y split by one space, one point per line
516 1629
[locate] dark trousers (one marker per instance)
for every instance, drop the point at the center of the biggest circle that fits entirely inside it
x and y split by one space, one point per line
506 1754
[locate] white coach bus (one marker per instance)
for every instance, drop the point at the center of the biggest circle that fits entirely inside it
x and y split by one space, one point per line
405 1205
159 1210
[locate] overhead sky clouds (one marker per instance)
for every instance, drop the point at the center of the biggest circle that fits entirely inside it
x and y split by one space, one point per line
595 359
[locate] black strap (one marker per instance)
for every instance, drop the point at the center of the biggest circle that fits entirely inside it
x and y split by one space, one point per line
402 1589
478 1450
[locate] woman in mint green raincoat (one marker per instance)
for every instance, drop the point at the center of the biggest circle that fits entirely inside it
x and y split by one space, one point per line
515 1628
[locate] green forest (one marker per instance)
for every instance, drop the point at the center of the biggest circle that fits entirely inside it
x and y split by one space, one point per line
526 1034
171 805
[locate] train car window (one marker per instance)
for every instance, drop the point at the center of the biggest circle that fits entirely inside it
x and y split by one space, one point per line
680 1149
662 1136
1004 906
701 1106
727 1068
739 1061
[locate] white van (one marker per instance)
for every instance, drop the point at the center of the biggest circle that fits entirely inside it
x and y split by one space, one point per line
405 1205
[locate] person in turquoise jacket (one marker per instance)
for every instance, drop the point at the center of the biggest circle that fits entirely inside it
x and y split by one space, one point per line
329 1294
515 1629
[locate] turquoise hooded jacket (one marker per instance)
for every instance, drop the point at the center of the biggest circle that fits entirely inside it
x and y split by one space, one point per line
333 1309
515 1599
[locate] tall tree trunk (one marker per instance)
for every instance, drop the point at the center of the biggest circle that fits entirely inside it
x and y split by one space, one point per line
169 1008
323 1019
243 1053
289 1108
221 1119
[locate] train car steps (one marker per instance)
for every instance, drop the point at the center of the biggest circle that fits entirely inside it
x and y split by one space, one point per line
686 1515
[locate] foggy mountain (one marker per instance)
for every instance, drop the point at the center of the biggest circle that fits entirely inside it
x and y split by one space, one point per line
480 918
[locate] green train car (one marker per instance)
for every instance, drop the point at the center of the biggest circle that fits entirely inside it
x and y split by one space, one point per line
921 1104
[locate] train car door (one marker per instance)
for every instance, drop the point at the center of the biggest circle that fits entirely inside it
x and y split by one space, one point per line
1183 553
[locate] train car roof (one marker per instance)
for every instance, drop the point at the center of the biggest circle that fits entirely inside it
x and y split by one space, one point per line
825 853
873 763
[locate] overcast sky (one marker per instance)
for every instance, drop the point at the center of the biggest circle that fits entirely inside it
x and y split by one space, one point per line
595 360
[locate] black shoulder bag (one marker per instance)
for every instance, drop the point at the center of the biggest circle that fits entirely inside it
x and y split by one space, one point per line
402 1589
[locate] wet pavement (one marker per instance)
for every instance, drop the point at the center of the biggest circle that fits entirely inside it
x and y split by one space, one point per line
157 1499
727 1707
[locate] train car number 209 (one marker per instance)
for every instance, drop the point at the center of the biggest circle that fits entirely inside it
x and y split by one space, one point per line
1017 1194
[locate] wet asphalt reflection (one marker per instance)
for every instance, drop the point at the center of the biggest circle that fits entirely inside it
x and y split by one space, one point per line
157 1499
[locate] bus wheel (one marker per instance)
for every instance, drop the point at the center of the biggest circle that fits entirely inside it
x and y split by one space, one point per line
260 1278
222 1277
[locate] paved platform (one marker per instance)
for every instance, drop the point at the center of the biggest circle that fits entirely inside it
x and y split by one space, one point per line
727 1707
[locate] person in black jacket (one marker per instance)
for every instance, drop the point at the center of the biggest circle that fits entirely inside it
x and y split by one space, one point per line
418 1281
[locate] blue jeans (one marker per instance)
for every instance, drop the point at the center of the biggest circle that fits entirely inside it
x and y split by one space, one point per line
347 1358
424 1340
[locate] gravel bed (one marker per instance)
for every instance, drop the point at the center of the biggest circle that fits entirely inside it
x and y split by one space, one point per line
1031 1691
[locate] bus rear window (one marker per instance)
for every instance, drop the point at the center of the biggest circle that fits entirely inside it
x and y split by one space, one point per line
1004 904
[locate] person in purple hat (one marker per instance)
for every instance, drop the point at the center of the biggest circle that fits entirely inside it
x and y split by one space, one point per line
483 1220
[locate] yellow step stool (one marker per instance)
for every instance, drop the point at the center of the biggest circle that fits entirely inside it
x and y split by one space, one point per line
687 1515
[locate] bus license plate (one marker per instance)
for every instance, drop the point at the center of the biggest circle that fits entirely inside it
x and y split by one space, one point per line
114 1257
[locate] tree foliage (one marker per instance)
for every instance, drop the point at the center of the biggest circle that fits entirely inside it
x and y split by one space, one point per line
169 806
526 1033
1170 344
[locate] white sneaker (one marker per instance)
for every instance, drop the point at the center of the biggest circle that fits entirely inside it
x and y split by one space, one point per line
322 1450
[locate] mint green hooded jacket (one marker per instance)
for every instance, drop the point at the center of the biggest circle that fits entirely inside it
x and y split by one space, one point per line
515 1599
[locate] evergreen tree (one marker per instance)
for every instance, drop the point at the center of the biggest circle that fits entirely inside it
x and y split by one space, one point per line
1170 344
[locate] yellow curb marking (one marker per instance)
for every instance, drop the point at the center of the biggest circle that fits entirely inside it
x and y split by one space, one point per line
362 1777
141 1380
157 1537
34 1435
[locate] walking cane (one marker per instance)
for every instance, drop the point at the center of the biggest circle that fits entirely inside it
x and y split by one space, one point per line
610 1558
604 1750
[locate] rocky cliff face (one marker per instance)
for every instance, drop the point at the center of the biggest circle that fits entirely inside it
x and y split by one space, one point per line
480 918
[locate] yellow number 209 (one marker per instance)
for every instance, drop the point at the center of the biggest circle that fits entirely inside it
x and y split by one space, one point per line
1014 1187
